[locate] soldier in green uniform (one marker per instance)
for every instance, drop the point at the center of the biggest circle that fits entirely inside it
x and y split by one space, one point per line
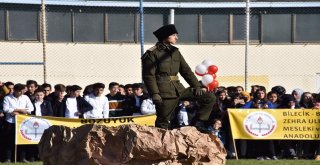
160 66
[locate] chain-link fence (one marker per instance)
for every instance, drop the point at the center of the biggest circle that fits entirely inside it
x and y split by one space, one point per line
100 41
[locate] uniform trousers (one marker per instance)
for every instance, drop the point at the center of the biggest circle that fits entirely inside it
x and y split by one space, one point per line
166 109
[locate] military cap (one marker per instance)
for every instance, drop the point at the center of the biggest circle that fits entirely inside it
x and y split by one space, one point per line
165 31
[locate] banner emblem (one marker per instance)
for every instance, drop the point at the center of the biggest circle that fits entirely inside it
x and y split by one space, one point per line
33 128
259 124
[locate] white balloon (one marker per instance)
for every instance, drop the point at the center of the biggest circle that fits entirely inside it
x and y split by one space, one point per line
207 79
201 69
207 63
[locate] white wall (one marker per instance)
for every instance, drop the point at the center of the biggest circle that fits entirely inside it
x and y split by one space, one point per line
72 63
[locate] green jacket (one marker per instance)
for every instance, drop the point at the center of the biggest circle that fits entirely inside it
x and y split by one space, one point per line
162 61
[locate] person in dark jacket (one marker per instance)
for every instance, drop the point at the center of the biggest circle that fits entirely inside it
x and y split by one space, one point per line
133 102
74 106
160 66
56 98
41 107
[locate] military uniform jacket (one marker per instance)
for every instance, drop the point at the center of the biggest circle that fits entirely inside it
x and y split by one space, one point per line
158 64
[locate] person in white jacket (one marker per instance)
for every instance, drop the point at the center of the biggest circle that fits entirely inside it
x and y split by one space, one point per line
98 101
14 104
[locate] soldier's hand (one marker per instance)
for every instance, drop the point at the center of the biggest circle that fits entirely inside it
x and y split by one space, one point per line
198 91
156 98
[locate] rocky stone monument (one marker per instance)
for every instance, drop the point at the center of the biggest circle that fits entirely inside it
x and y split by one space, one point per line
129 145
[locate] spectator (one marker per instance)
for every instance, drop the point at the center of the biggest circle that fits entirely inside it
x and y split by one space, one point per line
122 90
98 101
41 107
133 102
218 131
128 89
5 89
306 100
239 89
273 99
259 101
56 98
237 101
183 115
13 104
297 94
88 90
254 88
116 100
289 145
47 88
32 85
74 106
265 148
220 111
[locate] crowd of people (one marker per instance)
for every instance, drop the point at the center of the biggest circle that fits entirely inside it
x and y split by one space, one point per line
64 101
260 98
133 99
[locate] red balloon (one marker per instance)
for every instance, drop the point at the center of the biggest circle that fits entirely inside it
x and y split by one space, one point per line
212 69
213 85
214 76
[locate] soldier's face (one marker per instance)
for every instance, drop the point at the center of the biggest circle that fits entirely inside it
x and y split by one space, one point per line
172 39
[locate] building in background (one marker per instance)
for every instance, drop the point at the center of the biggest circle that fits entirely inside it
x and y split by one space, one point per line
91 41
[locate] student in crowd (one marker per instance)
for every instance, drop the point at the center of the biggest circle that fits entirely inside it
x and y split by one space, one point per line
56 98
297 94
306 100
218 131
239 89
237 101
184 113
220 111
122 90
5 89
13 104
231 91
68 90
289 146
47 88
98 101
74 106
133 102
32 85
254 88
265 149
128 89
116 100
281 91
88 90
41 108
273 99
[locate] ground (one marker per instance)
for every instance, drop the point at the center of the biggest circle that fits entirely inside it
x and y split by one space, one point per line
238 162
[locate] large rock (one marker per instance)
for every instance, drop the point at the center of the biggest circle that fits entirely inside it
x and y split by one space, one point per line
129 144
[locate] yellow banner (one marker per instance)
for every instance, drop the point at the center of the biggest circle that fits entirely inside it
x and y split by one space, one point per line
297 124
29 129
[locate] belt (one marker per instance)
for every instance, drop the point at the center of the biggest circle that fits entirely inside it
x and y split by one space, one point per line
174 78
167 78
